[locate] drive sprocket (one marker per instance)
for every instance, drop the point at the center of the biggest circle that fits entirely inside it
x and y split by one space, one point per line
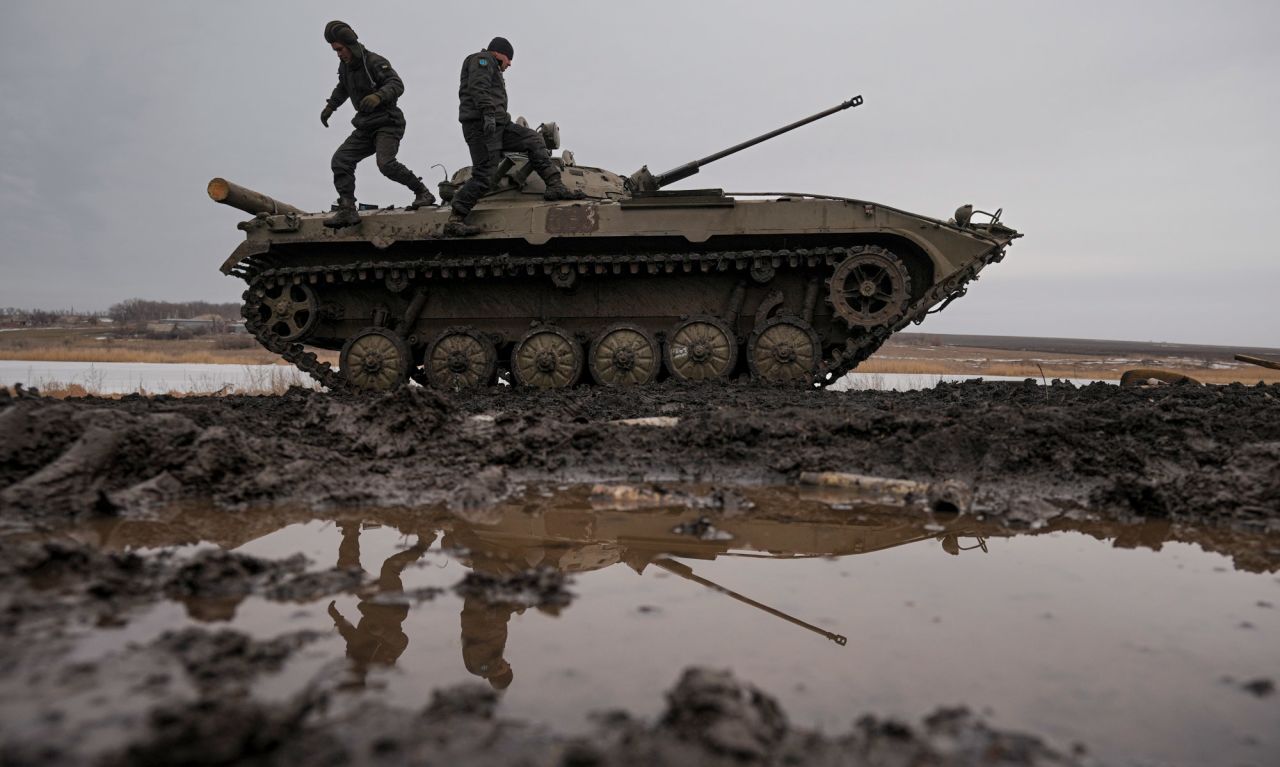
870 287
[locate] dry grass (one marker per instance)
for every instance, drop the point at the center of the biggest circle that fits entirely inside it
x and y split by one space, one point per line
95 345
56 390
259 380
127 354
951 367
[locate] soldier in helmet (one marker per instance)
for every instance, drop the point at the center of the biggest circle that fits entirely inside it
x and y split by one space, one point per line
488 130
373 87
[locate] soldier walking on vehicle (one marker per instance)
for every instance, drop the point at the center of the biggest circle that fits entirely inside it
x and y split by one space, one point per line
372 86
488 130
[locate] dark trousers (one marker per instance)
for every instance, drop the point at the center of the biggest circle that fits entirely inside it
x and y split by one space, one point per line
385 143
486 152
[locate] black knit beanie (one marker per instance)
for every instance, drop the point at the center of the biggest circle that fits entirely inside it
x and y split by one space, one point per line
501 45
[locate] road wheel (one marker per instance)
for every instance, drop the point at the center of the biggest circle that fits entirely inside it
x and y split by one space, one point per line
375 359
624 355
784 349
701 349
547 358
460 358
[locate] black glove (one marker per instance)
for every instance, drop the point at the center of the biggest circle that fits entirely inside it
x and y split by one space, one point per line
490 125
325 115
370 102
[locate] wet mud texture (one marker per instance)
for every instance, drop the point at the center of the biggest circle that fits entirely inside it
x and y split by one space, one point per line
188 695
1177 456
200 716
1184 453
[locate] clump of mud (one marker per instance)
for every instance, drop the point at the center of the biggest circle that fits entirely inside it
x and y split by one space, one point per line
1172 453
711 719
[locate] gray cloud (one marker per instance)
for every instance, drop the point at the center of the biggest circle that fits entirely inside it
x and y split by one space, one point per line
1135 147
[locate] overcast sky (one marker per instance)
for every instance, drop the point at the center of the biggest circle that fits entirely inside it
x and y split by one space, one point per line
1135 144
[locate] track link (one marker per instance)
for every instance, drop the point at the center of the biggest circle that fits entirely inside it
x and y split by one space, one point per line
262 272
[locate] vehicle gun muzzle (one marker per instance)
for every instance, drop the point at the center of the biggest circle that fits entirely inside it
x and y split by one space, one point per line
243 198
644 181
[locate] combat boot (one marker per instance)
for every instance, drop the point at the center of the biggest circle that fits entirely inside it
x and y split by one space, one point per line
345 215
458 227
424 199
561 192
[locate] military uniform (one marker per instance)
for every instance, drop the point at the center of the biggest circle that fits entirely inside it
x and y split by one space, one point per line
377 131
482 92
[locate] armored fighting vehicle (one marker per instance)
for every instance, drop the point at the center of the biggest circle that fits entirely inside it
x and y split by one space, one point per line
635 282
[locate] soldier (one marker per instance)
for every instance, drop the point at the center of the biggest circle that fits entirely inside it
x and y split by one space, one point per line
368 80
488 130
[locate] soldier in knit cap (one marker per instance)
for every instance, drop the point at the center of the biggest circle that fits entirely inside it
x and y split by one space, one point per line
372 86
488 130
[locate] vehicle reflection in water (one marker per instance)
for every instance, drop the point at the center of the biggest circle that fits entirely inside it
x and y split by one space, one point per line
1064 630
570 532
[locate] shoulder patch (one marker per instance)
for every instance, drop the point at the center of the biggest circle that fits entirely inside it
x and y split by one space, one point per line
484 62
386 65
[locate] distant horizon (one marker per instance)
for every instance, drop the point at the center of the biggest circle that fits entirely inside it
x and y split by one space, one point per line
914 331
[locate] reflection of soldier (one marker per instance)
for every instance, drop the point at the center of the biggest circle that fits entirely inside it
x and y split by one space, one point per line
372 86
484 640
484 622
379 637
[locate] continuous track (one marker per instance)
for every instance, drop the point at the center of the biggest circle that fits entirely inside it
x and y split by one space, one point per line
264 272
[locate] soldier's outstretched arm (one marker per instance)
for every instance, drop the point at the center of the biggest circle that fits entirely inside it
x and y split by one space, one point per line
340 622
339 94
334 101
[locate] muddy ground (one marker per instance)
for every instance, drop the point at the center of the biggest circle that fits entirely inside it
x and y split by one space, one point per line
1022 455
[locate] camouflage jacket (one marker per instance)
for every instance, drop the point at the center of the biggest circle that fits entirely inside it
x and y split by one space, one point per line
482 89
369 73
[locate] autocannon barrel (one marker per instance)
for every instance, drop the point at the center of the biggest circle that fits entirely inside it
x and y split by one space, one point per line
690 168
227 193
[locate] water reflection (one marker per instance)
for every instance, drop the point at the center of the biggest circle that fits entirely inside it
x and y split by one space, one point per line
378 638
1057 633
570 532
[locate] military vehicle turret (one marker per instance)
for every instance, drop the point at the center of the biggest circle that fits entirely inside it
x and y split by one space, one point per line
633 283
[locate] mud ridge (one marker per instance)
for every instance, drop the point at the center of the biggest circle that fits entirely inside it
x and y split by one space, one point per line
1181 452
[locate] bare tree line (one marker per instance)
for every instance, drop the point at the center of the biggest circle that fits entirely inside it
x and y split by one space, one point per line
142 310
131 311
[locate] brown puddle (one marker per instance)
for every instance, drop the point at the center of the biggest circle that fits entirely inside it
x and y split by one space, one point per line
1134 640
